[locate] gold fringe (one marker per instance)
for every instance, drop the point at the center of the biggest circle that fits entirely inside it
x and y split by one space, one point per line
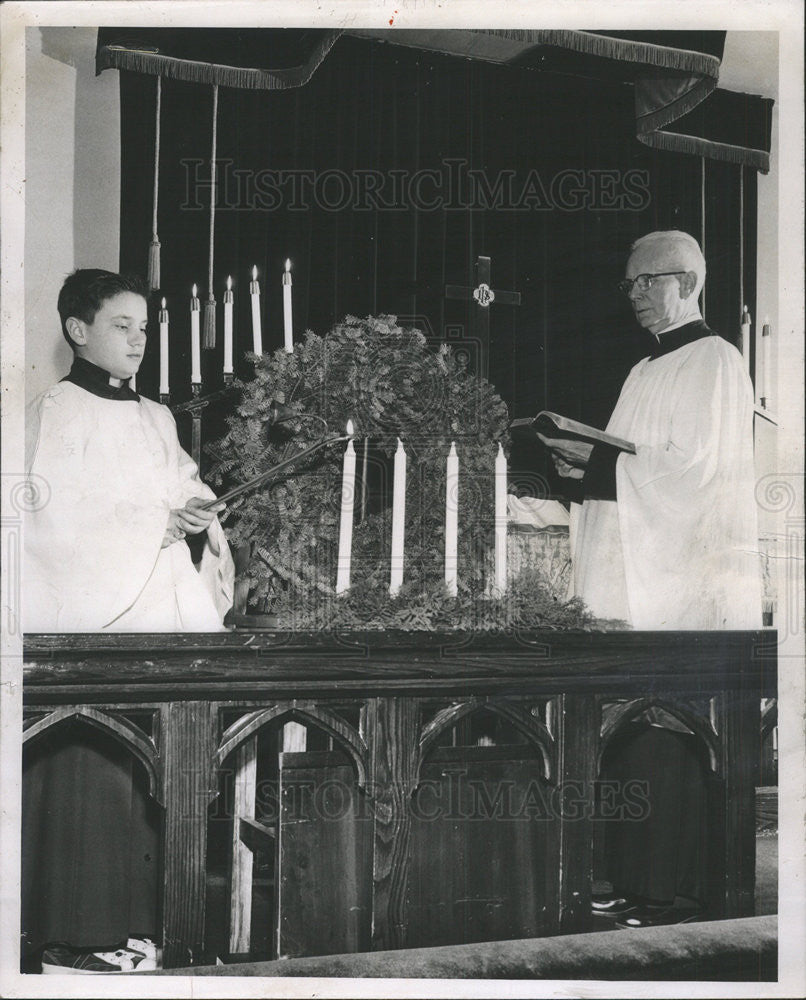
606 47
674 142
155 64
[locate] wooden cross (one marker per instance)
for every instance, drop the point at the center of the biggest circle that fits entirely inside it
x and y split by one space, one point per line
484 297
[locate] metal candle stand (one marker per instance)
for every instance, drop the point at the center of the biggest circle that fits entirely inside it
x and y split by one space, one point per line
195 407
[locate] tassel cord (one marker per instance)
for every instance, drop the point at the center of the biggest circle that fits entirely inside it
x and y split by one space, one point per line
209 309
154 278
157 158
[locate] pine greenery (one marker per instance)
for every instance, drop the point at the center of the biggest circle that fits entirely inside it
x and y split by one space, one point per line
387 380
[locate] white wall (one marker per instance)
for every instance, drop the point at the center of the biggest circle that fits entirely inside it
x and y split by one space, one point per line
750 65
72 184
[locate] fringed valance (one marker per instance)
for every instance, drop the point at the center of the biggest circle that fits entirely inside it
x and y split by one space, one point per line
728 126
228 59
674 73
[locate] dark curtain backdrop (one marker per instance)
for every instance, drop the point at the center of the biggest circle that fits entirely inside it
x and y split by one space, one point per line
374 106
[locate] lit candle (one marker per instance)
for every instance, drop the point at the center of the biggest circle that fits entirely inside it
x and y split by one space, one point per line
288 329
766 364
195 340
254 291
228 303
746 324
163 317
398 519
347 506
500 521
452 521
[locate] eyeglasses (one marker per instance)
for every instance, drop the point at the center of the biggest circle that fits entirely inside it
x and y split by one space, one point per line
644 281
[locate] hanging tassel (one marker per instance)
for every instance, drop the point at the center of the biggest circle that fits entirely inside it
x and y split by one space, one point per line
209 307
154 264
208 335
154 250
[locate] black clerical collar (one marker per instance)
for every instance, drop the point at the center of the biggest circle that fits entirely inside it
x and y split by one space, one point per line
95 380
665 343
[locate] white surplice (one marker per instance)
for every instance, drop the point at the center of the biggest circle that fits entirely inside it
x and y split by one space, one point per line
679 548
109 471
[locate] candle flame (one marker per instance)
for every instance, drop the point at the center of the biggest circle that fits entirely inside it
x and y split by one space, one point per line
164 304
254 272
194 291
350 428
287 264
229 282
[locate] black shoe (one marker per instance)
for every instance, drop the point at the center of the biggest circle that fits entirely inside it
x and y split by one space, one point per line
614 903
612 906
651 917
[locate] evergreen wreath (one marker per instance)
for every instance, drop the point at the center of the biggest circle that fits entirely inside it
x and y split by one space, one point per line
387 380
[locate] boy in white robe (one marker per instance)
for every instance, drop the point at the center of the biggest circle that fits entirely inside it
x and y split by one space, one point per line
105 552
667 539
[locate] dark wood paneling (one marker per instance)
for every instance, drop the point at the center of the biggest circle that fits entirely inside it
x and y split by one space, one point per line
189 729
397 678
243 665
577 740
324 861
394 729
482 865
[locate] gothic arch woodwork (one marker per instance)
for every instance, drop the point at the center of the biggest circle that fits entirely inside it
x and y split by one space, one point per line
125 732
303 712
530 727
620 716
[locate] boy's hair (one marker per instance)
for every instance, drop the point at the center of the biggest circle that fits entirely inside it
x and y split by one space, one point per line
85 291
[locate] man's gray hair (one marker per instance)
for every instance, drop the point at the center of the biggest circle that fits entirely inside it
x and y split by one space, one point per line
675 250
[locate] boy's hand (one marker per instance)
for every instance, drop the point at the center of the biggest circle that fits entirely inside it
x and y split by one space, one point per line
192 519
174 532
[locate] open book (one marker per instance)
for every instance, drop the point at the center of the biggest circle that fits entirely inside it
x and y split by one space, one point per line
552 425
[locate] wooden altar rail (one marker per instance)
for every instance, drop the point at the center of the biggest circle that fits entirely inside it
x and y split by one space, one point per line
408 690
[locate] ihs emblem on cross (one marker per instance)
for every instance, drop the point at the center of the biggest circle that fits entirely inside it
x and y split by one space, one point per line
484 295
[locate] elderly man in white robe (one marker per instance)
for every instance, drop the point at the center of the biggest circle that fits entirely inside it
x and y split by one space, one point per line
667 538
105 552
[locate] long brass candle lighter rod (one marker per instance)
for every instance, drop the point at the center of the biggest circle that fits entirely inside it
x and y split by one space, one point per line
269 473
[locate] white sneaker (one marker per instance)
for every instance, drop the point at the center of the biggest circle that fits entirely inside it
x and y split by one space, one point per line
146 947
60 960
128 960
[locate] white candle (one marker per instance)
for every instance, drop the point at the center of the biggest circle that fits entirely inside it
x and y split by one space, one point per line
398 519
746 326
228 303
254 291
452 521
347 507
500 521
163 317
195 340
766 364
288 328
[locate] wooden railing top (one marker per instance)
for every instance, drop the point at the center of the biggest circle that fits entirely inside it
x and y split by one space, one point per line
248 664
